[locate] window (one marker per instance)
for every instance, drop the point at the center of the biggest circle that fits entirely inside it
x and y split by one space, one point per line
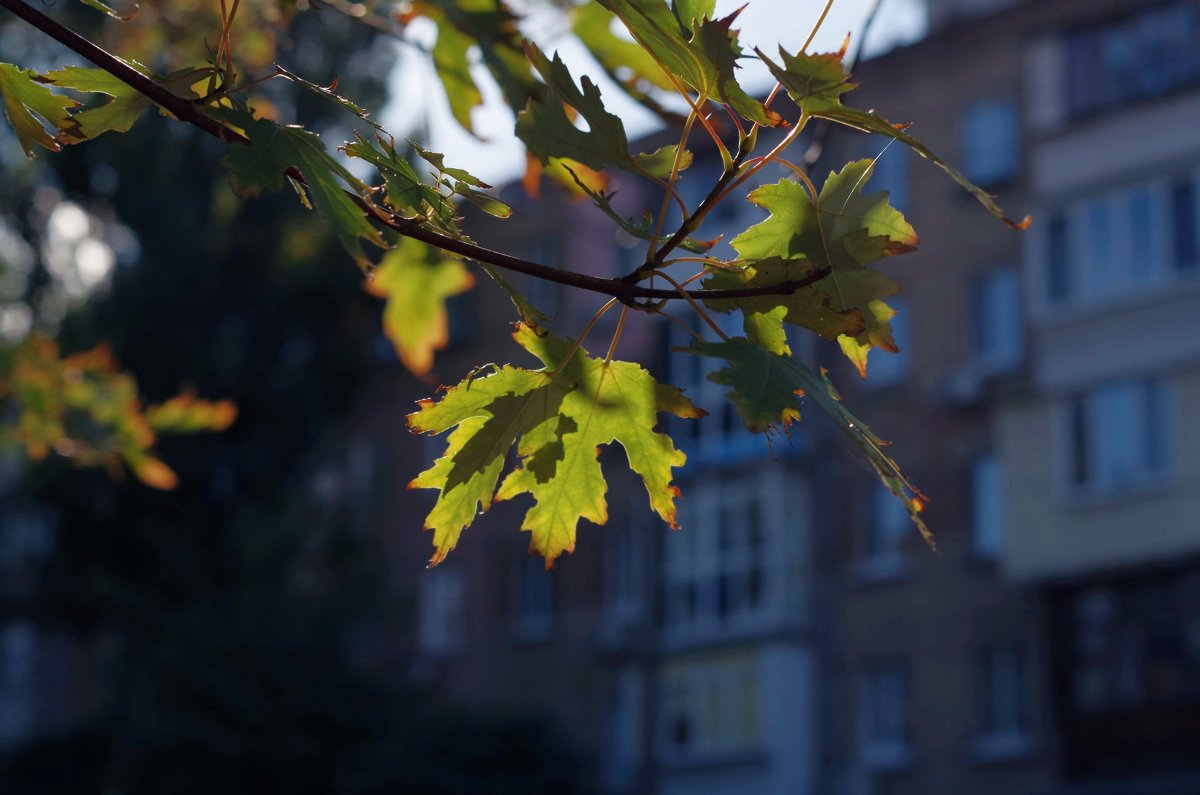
711 707
1001 700
1145 55
891 170
883 714
533 603
1114 244
987 507
1058 263
990 134
624 574
440 618
996 338
884 368
1128 651
1185 247
18 671
1133 643
1117 437
721 437
723 570
887 525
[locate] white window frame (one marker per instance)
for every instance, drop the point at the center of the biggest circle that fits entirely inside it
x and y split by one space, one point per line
624 574
441 611
707 441
982 138
878 752
1001 666
693 558
1007 350
1131 278
1102 441
886 520
723 699
988 530
533 600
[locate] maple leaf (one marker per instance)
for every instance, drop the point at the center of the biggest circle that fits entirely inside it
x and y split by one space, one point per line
126 104
765 385
24 96
416 279
807 306
273 149
592 23
843 230
546 129
816 82
561 420
686 42
406 193
85 408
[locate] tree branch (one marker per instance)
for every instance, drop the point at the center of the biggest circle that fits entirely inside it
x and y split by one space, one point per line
626 289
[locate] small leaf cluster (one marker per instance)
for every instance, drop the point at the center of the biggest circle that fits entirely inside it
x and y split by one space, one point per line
809 263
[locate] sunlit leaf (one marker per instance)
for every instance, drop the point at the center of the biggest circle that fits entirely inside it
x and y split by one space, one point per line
30 106
816 83
416 279
687 43
766 386
126 104
273 149
844 230
558 421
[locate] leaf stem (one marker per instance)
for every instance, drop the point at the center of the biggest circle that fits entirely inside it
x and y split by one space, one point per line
612 346
582 336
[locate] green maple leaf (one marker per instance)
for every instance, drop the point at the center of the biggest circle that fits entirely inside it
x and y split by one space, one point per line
561 419
765 385
273 149
28 103
807 306
686 42
453 68
406 193
126 103
548 132
592 23
416 279
816 83
844 230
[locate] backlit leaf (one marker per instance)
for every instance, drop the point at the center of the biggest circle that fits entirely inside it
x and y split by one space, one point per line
416 279
765 387
816 83
844 230
273 149
30 106
559 422
126 104
687 43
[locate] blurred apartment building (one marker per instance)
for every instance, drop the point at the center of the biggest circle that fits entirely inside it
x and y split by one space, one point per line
797 636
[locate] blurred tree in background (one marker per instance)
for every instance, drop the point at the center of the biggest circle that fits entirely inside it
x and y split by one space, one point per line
216 676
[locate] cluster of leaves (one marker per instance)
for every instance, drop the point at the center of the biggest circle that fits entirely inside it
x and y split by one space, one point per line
808 264
85 408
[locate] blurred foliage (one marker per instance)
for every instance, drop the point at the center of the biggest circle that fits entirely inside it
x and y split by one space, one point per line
217 673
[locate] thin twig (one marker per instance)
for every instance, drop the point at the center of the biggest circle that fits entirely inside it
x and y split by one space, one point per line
626 290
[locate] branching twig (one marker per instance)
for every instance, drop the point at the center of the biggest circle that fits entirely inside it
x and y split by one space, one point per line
627 290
